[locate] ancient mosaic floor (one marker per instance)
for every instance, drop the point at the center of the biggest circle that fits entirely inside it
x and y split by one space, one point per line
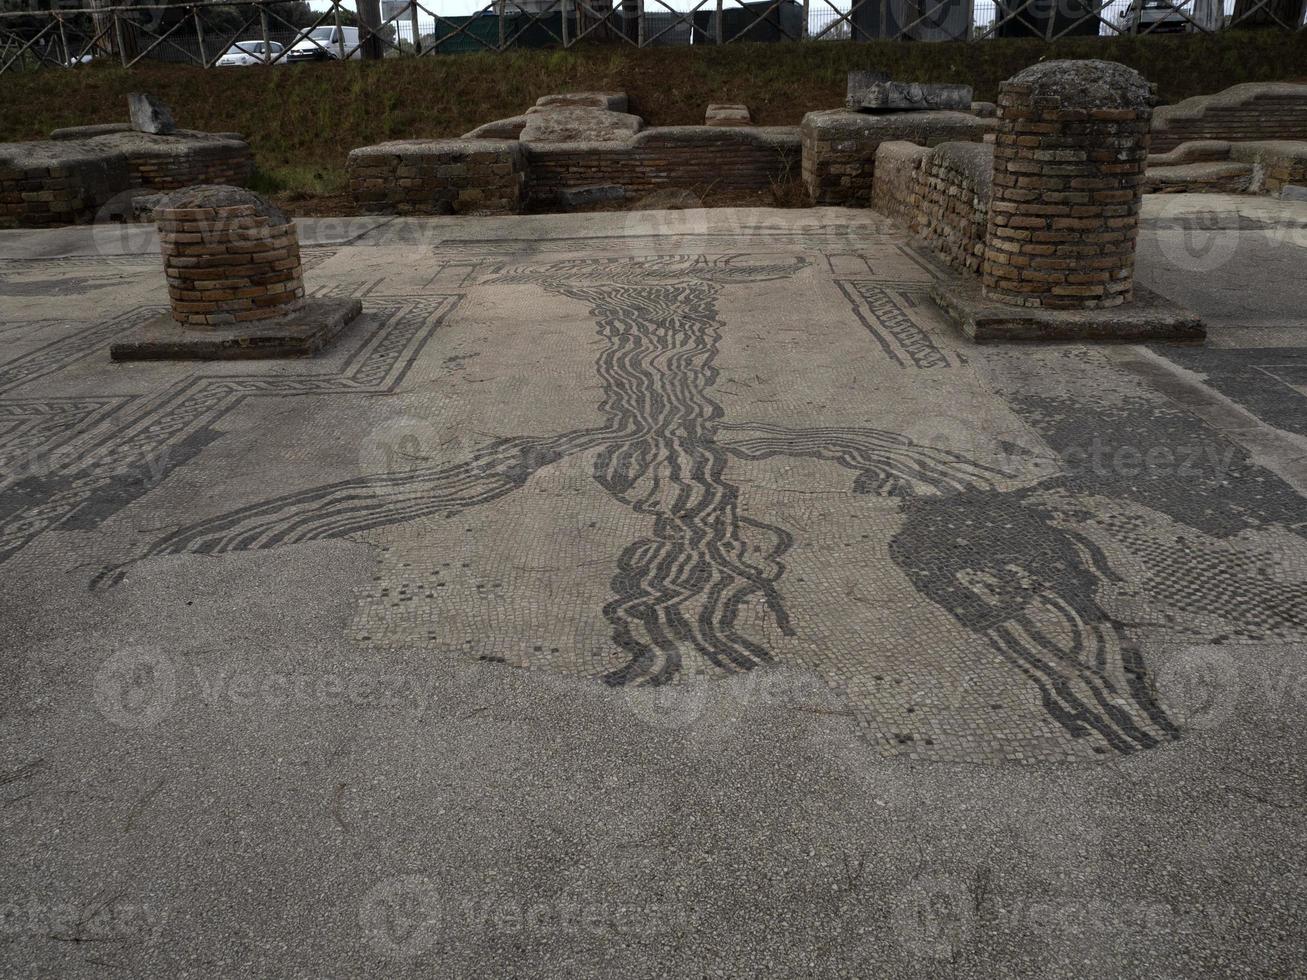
662 450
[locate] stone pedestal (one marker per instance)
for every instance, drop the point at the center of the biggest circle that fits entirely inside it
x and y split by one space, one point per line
1069 159
235 286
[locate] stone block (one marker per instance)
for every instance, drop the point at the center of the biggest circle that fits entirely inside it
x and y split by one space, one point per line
580 125
890 96
149 115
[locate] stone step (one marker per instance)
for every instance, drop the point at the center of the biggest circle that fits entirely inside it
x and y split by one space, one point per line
1212 177
1194 151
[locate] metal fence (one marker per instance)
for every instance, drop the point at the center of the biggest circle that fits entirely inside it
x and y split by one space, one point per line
207 33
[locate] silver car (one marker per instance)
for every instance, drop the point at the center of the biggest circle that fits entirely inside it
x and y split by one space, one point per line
250 53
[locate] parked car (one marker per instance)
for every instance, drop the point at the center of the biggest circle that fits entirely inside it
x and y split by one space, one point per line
324 43
1156 17
250 53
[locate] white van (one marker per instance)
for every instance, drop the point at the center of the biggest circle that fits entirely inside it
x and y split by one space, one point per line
325 42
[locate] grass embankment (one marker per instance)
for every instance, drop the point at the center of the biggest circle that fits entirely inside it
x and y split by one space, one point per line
303 120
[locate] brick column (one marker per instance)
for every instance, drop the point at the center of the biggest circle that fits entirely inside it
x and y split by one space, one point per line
230 257
1069 160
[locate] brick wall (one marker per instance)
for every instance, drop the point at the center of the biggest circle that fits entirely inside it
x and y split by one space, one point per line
954 188
58 182
439 176
40 188
229 264
839 147
697 158
896 185
941 195
1253 111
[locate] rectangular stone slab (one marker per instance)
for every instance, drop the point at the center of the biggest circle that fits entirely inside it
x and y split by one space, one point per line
306 331
1148 317
888 96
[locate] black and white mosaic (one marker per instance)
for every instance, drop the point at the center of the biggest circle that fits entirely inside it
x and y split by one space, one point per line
654 466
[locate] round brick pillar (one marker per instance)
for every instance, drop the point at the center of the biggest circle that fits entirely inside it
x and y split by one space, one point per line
1069 160
230 257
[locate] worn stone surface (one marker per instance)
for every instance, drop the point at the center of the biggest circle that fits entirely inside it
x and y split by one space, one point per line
498 129
150 115
86 132
614 101
580 125
304 661
891 96
860 81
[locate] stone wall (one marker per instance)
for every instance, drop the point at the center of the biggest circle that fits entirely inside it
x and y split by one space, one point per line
439 176
44 184
68 180
839 147
696 158
941 194
1252 111
501 176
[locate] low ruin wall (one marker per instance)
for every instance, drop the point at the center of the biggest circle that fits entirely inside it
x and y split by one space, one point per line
502 176
839 147
941 194
1253 111
956 182
69 180
439 176
696 158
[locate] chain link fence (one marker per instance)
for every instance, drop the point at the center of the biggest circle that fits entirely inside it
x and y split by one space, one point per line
52 34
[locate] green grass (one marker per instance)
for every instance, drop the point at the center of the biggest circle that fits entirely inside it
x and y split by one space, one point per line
302 120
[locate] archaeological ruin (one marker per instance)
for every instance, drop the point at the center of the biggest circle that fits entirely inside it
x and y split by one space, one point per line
111 171
235 284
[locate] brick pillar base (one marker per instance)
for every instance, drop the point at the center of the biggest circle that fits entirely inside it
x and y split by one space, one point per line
1069 160
230 257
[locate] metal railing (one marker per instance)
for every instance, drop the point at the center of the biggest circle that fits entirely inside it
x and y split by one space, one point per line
203 32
